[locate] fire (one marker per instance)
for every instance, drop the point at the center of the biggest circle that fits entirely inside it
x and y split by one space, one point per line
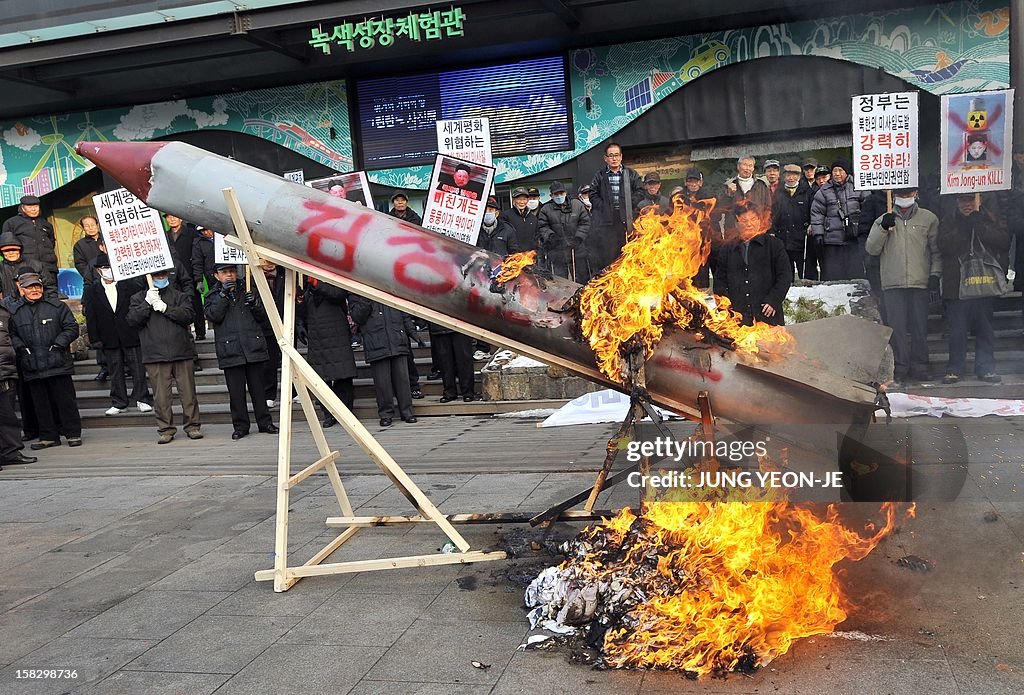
513 264
650 286
714 587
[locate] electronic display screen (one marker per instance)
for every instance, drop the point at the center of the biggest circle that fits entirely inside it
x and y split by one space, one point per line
526 101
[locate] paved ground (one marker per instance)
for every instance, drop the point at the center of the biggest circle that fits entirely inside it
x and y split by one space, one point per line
135 568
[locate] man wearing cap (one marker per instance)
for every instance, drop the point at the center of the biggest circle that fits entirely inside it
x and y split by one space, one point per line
744 186
522 218
791 215
584 196
809 167
10 430
835 226
38 242
181 239
400 209
652 195
10 247
42 330
241 349
496 235
906 241
162 314
772 173
615 192
562 233
105 304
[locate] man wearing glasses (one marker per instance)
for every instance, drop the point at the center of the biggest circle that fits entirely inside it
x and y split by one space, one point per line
615 192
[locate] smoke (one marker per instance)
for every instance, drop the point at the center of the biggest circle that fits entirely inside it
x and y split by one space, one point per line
142 122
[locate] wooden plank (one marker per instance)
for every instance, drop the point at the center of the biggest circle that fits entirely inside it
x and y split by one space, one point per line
326 551
310 470
386 564
518 517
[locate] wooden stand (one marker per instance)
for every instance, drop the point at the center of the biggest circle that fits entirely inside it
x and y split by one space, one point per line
295 371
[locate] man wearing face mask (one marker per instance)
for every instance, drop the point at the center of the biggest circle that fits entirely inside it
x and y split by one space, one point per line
906 241
584 196
562 230
495 235
105 304
791 215
162 315
522 218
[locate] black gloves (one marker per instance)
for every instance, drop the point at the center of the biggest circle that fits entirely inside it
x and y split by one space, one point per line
888 220
300 333
574 243
933 289
819 243
250 299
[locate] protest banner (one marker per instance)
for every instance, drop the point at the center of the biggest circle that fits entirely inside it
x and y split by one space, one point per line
885 136
222 253
353 186
456 199
295 176
133 234
976 141
468 139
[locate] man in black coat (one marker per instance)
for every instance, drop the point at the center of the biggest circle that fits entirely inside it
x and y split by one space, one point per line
10 430
105 304
203 262
652 195
181 238
614 193
386 348
162 315
87 248
324 329
562 235
495 235
754 273
241 349
14 263
38 241
522 218
42 330
400 209
791 215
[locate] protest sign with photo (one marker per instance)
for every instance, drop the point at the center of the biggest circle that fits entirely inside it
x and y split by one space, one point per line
133 234
456 199
222 253
354 187
976 141
885 132
468 139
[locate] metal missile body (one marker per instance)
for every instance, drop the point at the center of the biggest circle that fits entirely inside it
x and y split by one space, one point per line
354 245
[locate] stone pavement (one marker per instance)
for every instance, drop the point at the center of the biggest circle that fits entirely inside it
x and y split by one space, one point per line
137 572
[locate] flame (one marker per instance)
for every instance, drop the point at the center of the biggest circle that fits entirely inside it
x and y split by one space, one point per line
513 264
716 587
651 286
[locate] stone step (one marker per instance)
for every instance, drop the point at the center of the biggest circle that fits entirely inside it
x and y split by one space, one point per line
1012 387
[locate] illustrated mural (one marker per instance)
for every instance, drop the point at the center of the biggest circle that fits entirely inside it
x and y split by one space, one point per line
38 154
943 49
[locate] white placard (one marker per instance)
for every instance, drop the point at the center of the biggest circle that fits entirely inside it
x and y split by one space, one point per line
977 141
133 234
222 253
456 198
885 133
295 176
466 138
353 186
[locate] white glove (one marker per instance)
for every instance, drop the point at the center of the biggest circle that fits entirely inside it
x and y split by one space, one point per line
160 305
152 296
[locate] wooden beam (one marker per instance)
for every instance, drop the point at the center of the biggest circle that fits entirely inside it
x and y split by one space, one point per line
386 564
310 470
493 518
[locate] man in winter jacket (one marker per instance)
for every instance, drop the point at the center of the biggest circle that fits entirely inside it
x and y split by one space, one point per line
522 219
38 242
10 430
835 220
791 215
615 192
385 334
203 262
324 328
181 239
906 242
42 330
400 209
14 264
105 304
241 349
754 272
87 248
652 196
742 187
562 235
970 225
496 235
162 315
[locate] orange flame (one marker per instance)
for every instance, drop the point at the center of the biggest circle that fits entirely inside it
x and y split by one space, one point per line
651 285
723 586
513 264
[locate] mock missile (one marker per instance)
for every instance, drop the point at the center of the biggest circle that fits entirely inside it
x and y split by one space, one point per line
826 379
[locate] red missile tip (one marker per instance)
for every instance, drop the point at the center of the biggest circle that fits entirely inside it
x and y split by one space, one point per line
130 163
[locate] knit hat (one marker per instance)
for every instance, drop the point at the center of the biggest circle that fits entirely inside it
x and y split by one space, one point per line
843 164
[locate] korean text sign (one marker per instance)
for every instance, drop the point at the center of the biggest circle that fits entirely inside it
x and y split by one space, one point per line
133 233
466 138
222 253
976 141
457 198
885 134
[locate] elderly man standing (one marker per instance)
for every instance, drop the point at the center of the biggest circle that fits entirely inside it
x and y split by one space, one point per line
10 430
614 193
835 220
906 241
38 241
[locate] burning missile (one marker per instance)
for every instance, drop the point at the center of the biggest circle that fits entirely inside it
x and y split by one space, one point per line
825 379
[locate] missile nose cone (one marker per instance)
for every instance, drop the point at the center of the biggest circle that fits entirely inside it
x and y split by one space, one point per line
128 162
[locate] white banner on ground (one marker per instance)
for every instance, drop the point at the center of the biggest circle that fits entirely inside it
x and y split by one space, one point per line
222 253
457 197
976 141
133 234
466 138
594 408
909 405
885 128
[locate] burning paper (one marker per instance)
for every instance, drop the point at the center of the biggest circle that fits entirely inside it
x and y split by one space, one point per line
514 264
